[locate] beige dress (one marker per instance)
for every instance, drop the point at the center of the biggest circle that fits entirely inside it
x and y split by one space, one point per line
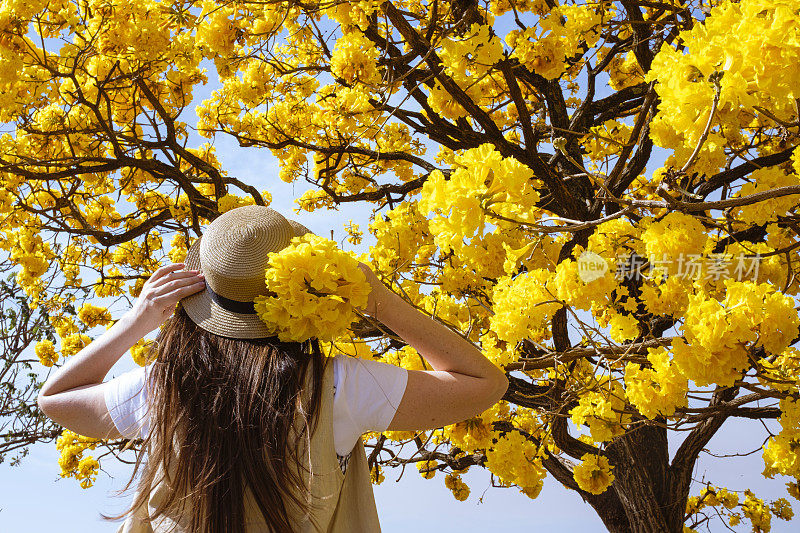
344 503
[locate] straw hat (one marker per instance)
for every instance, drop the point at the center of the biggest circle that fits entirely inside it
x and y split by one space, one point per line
232 254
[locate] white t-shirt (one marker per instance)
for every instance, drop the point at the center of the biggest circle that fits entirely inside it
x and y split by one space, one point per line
366 396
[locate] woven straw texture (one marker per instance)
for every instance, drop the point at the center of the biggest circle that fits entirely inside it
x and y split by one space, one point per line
233 254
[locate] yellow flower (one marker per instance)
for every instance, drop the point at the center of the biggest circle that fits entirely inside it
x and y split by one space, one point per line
482 183
515 460
765 179
459 489
719 334
601 408
232 201
72 344
178 249
110 284
427 465
782 509
64 325
713 496
475 433
672 237
568 285
72 462
758 512
143 351
624 71
606 139
523 307
594 473
46 352
353 59
402 235
761 28
354 233
793 488
656 390
86 471
317 288
376 475
782 453
92 315
624 327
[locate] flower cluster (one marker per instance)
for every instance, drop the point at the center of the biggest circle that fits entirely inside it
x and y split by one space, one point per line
751 81
719 334
523 307
515 460
353 59
601 408
606 139
657 390
677 234
782 452
92 315
72 461
429 468
765 179
402 235
475 433
594 473
457 486
46 352
727 503
74 343
560 35
482 183
317 288
574 287
712 496
143 352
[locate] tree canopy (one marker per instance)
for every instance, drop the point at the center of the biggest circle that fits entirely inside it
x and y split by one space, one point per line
506 151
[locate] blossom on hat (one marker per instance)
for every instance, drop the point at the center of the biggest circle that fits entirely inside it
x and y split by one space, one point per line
316 289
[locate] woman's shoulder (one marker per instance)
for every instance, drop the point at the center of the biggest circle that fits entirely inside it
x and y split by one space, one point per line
366 399
126 401
131 380
367 377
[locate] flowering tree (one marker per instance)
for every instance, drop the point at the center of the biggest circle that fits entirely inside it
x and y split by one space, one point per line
21 423
503 147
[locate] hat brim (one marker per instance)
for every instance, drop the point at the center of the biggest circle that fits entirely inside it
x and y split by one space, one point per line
210 316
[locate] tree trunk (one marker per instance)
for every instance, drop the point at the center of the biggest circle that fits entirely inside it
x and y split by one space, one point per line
640 499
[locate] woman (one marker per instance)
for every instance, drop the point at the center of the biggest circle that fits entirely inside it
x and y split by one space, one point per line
239 428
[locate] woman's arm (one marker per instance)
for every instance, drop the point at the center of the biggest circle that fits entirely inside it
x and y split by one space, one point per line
463 383
73 395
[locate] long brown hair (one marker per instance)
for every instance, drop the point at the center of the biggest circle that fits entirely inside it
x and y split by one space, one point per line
229 405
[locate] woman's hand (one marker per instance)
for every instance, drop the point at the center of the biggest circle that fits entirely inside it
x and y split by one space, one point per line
160 293
378 293
73 395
